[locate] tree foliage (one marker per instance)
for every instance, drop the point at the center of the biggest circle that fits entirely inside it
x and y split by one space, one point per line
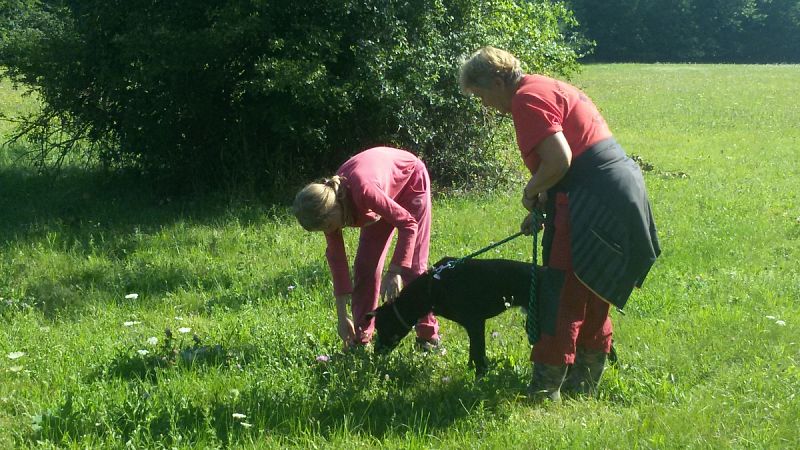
268 92
743 31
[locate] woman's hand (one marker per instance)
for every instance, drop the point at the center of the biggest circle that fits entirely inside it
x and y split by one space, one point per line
345 328
529 202
537 201
346 331
526 227
391 285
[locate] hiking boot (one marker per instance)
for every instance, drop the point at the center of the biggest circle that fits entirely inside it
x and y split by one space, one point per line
428 345
584 375
546 382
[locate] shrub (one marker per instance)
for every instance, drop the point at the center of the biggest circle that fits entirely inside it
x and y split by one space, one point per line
269 93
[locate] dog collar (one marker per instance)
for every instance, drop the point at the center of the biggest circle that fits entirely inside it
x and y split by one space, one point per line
400 317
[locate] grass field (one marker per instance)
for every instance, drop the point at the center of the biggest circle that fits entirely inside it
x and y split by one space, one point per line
709 348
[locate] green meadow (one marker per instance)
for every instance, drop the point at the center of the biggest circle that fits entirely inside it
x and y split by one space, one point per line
133 320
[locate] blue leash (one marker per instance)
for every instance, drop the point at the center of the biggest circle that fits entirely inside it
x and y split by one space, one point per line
532 319
455 262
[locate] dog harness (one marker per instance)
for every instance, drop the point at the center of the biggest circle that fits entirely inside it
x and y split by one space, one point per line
532 328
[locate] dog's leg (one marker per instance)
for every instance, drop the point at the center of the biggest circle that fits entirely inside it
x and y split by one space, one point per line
477 346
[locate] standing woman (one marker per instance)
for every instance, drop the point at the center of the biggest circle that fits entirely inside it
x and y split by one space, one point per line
378 190
600 239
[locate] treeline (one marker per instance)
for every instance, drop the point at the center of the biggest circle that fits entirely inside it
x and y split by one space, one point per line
731 31
267 93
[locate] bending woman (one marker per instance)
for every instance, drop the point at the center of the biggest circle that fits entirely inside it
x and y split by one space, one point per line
600 239
378 190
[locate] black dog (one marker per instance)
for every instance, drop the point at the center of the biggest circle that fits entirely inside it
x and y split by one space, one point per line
468 294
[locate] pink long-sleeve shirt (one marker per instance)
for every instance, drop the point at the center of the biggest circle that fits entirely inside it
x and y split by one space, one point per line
374 179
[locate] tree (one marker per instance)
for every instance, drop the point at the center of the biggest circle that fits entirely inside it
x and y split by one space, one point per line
692 30
269 92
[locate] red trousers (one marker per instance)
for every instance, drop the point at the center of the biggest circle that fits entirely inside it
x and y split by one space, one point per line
582 319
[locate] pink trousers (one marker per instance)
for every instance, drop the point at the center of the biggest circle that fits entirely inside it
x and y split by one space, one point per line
374 243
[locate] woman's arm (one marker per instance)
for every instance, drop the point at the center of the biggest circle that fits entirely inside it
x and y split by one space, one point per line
345 327
336 255
342 285
556 157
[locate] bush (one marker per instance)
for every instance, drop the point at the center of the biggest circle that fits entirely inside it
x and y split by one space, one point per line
269 93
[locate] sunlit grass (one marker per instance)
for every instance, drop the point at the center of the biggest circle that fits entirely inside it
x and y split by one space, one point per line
708 349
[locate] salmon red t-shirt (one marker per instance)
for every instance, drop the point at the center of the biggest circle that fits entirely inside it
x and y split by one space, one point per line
543 106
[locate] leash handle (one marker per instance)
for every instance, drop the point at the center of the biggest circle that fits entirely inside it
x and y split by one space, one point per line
532 319
532 328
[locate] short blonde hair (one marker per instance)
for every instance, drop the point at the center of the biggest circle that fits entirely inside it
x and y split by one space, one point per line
487 64
316 202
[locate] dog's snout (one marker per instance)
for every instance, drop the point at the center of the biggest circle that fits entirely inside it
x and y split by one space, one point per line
386 345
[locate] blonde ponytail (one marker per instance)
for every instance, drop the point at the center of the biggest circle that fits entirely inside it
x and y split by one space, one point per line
319 200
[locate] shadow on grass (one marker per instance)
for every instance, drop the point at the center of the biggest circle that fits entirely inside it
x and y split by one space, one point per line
93 213
82 201
348 394
131 365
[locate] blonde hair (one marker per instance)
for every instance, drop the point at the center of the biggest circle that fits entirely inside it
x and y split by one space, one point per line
316 202
487 64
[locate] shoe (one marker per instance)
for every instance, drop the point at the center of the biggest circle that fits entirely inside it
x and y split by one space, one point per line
546 382
428 345
584 375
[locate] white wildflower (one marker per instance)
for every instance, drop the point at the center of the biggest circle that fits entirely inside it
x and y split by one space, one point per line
184 330
142 352
131 323
152 340
16 355
780 322
239 416
245 424
132 296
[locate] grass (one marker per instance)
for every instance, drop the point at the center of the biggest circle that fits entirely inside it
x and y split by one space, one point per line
708 348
